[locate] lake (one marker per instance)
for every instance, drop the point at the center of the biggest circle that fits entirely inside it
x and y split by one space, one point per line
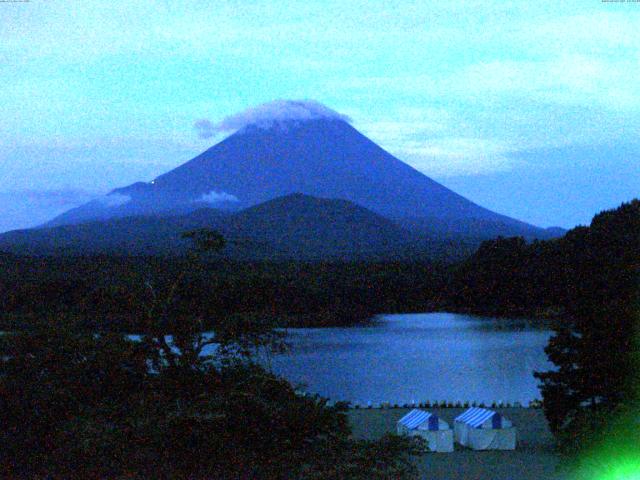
418 357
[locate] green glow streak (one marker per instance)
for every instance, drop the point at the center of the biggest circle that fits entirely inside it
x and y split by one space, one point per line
614 467
618 457
623 470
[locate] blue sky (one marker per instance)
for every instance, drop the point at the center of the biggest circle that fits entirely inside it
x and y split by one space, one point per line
529 108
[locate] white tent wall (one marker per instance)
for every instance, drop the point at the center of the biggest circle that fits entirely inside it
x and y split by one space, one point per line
492 434
460 433
437 441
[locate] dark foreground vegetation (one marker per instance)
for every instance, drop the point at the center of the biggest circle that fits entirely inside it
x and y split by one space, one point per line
79 404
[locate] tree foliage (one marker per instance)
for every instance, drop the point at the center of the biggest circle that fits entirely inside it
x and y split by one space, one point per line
77 403
595 347
589 282
110 292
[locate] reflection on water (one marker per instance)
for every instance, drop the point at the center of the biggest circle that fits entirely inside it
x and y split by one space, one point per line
435 356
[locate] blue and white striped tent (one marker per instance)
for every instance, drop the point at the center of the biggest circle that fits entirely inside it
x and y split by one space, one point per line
483 429
477 417
435 431
416 418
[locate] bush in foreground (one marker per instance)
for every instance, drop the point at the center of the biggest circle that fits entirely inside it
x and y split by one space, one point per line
80 405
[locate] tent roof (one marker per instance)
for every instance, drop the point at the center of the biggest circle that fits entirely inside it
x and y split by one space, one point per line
475 416
415 418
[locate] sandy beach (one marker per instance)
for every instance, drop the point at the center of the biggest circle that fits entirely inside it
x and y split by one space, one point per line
533 459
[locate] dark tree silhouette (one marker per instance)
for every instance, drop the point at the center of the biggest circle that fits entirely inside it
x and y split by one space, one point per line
594 348
76 403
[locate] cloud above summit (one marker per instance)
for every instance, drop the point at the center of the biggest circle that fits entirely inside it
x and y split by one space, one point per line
268 114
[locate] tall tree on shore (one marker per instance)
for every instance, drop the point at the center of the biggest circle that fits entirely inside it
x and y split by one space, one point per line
594 347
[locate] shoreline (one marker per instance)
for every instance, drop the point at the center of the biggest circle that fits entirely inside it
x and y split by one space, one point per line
535 456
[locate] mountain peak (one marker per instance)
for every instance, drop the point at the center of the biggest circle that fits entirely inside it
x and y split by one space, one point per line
286 147
279 113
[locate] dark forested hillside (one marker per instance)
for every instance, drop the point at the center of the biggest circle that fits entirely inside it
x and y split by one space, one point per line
507 276
112 292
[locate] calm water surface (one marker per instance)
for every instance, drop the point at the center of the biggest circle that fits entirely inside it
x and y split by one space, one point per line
434 356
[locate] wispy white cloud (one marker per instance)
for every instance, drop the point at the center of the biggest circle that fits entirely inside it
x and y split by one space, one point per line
52 198
439 143
89 164
567 79
406 123
603 32
30 207
205 128
551 80
457 156
214 197
114 200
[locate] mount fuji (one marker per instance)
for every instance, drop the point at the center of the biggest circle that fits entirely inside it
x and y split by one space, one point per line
288 147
